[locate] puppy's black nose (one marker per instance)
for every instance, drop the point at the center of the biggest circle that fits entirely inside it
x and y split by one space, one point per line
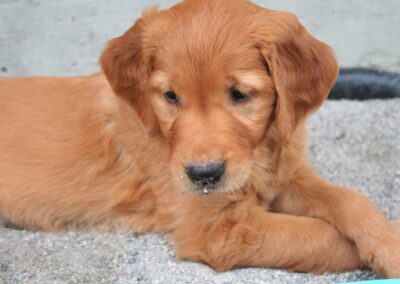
205 174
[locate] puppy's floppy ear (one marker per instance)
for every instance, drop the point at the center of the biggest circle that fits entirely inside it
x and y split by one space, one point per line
303 69
127 64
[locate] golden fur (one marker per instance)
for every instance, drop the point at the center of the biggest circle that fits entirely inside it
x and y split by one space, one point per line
109 148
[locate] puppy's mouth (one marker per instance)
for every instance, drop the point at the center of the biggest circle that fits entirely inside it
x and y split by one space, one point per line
205 188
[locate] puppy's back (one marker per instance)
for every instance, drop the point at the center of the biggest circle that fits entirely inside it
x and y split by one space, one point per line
38 111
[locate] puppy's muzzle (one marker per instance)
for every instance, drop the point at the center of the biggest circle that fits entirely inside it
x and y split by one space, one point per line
205 175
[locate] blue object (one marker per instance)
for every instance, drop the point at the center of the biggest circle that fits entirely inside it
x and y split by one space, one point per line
386 281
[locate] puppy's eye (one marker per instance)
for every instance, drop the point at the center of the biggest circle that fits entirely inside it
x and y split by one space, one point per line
238 97
171 97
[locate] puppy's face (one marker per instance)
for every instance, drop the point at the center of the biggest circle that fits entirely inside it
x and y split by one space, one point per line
212 108
213 77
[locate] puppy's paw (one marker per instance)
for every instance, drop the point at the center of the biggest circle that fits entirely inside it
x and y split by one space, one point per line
385 257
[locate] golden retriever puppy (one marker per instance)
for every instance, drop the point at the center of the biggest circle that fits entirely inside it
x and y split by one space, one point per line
196 128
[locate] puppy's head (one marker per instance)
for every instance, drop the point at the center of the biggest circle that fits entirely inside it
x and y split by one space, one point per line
213 77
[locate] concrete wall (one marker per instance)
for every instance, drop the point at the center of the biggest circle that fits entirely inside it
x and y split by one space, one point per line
65 37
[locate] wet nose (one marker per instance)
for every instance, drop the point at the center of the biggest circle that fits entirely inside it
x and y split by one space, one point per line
205 174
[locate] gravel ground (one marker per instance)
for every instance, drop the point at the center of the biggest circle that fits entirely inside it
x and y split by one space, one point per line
351 143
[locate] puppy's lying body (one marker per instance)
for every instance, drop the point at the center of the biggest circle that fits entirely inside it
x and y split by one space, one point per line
195 128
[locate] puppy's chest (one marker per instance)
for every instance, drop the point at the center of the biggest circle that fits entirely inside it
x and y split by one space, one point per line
266 196
263 187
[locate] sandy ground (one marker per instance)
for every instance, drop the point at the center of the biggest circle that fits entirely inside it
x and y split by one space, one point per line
351 143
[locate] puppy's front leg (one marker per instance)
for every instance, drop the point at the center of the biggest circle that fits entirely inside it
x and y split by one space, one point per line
351 213
264 239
